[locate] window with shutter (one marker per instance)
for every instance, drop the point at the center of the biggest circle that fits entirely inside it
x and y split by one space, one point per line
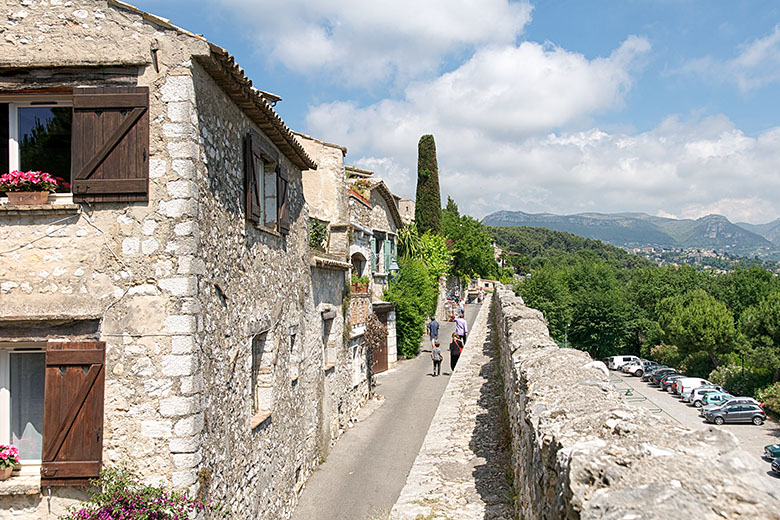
73 413
110 144
4 138
264 182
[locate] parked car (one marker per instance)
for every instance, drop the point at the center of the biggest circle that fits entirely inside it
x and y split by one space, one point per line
615 362
776 466
737 413
651 370
696 397
639 368
772 451
655 377
688 383
716 398
666 383
727 402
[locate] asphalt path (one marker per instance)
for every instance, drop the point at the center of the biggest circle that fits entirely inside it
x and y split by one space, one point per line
367 468
751 438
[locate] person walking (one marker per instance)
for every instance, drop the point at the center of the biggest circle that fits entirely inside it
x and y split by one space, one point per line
461 328
433 330
456 347
436 357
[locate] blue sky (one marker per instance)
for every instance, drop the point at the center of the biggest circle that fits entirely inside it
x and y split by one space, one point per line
663 106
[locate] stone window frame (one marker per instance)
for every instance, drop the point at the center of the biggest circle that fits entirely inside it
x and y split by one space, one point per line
261 378
37 100
329 341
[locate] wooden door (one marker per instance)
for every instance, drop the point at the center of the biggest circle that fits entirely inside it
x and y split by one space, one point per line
380 351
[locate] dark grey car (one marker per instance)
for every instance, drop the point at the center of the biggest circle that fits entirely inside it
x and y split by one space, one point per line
737 413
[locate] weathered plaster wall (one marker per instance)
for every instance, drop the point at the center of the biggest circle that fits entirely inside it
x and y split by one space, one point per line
580 451
325 189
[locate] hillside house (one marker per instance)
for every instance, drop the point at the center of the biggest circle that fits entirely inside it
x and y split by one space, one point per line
159 313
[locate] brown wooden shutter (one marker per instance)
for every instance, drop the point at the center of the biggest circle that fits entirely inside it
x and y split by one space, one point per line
282 204
73 413
110 144
254 203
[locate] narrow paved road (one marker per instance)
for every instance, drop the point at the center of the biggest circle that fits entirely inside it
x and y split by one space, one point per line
367 468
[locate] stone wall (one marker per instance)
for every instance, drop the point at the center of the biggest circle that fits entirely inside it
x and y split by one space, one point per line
580 451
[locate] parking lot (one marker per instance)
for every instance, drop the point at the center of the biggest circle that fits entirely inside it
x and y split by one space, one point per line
752 438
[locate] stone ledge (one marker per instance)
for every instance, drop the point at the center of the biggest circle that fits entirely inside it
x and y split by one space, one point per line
38 209
329 367
21 485
268 230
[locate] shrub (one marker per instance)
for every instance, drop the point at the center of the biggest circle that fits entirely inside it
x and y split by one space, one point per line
665 354
770 396
741 382
697 364
414 292
119 495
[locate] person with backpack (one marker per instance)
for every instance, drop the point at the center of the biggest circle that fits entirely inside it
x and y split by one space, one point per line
456 348
436 357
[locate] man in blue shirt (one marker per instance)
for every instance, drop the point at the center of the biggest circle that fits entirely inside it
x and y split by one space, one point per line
433 330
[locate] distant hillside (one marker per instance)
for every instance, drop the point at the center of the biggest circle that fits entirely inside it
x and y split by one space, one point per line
713 232
770 230
539 243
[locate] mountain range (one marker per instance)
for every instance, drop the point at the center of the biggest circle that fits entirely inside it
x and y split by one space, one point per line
712 232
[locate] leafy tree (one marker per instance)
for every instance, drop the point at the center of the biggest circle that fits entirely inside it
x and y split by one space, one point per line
471 247
409 241
759 326
414 292
427 213
548 291
695 321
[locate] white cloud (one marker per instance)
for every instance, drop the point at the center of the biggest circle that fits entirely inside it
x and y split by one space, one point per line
757 64
362 43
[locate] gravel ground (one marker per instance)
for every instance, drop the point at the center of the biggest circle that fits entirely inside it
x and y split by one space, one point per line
751 438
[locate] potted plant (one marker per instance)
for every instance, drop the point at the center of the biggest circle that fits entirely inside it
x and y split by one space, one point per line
30 187
359 284
9 459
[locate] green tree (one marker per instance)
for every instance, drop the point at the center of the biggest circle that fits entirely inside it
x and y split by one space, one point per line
427 213
548 291
695 321
414 292
759 327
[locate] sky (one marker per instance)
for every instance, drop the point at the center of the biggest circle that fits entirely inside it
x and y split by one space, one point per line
668 107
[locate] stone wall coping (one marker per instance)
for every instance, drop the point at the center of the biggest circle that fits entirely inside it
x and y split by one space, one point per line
21 485
329 263
38 209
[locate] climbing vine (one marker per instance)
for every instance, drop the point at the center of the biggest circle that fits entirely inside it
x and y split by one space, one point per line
318 234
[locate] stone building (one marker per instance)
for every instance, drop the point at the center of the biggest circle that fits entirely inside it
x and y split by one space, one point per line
159 313
374 223
346 359
354 219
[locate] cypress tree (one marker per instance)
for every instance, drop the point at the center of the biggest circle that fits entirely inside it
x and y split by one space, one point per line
427 212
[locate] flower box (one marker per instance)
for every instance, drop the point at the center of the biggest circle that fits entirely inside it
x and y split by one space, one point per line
20 198
360 288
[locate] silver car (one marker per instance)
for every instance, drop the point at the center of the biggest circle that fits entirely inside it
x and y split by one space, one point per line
704 410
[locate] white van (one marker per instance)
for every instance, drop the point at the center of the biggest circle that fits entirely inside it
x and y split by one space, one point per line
688 383
615 362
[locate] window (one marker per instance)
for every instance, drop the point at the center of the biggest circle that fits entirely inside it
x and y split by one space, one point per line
22 374
108 161
266 186
36 135
329 343
262 379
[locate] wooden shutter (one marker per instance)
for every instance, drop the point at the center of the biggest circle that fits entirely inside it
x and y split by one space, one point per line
254 179
283 206
73 413
110 144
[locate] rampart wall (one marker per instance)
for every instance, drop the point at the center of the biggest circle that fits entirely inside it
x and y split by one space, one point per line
581 452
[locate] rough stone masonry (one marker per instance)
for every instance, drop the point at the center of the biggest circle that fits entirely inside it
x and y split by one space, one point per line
581 452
